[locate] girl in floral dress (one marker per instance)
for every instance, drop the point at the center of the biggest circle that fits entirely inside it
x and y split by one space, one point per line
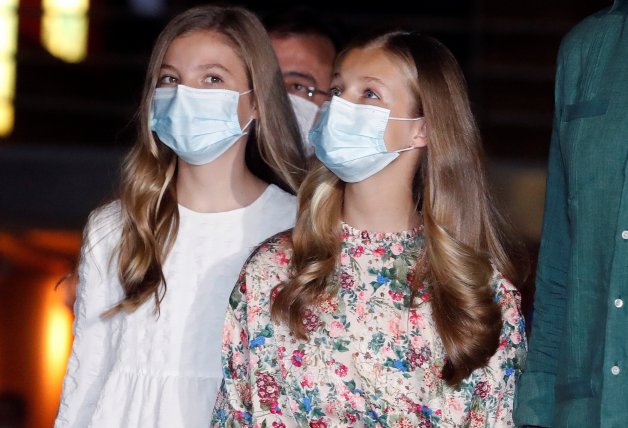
391 303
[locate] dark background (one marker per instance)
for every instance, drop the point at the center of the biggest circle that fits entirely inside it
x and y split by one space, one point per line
74 120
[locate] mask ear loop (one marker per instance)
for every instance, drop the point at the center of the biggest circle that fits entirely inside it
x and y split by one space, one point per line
251 119
406 119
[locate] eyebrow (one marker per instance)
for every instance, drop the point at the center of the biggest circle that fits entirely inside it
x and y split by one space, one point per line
367 79
201 67
373 79
298 74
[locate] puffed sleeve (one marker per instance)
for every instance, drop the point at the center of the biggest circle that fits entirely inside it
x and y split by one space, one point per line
493 395
233 405
90 359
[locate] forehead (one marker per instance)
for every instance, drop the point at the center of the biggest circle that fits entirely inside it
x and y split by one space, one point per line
203 47
312 53
374 62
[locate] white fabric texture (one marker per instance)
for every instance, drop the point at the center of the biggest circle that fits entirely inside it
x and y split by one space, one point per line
144 370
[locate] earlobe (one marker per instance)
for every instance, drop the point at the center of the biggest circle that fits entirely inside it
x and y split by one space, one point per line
420 136
254 111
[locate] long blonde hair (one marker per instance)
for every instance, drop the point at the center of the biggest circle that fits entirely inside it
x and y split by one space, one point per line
464 232
148 197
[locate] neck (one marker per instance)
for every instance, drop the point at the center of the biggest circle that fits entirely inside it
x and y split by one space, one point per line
222 185
380 204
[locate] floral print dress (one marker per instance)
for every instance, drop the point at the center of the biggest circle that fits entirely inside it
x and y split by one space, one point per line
369 361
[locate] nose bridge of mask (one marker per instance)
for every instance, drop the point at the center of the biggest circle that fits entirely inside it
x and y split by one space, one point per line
192 107
350 120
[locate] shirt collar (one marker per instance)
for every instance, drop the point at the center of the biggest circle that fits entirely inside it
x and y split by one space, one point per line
619 6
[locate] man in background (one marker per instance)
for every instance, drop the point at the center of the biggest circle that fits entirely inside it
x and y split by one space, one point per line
306 45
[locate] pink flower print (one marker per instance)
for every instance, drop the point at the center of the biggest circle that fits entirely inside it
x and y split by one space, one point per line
352 417
346 280
365 235
267 388
280 258
512 316
482 389
253 359
279 425
360 310
363 296
297 358
454 404
418 358
476 420
403 423
378 252
416 319
342 370
311 321
238 358
388 352
318 423
357 251
396 248
253 313
344 259
275 409
274 292
393 327
397 296
417 341
243 287
328 305
502 343
336 328
515 337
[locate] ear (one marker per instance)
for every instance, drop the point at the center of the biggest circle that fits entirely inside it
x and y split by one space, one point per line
254 110
419 138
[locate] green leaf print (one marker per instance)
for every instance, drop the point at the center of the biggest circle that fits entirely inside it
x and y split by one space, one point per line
377 341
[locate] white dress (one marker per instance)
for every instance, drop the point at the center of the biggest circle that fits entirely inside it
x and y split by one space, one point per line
144 370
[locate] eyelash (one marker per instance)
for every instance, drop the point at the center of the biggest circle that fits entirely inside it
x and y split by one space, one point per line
163 80
370 91
209 79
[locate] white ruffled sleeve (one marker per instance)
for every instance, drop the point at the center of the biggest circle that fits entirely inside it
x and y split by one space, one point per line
91 356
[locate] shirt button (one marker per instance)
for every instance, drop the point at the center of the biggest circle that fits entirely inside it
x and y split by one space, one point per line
624 234
619 303
615 370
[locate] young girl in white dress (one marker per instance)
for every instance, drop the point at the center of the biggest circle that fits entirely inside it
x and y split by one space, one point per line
212 174
391 303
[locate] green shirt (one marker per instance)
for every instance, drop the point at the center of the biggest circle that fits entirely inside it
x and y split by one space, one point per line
577 366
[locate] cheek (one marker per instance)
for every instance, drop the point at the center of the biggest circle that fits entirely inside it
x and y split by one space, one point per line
397 136
245 111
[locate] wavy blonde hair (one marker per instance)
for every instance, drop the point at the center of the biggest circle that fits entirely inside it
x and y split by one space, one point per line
465 234
150 218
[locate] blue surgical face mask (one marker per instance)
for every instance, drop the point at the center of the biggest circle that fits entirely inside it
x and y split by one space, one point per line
199 125
305 112
349 139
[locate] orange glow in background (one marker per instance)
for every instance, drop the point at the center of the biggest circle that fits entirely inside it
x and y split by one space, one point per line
36 318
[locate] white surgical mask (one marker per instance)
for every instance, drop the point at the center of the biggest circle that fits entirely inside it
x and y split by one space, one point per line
349 139
199 125
305 112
